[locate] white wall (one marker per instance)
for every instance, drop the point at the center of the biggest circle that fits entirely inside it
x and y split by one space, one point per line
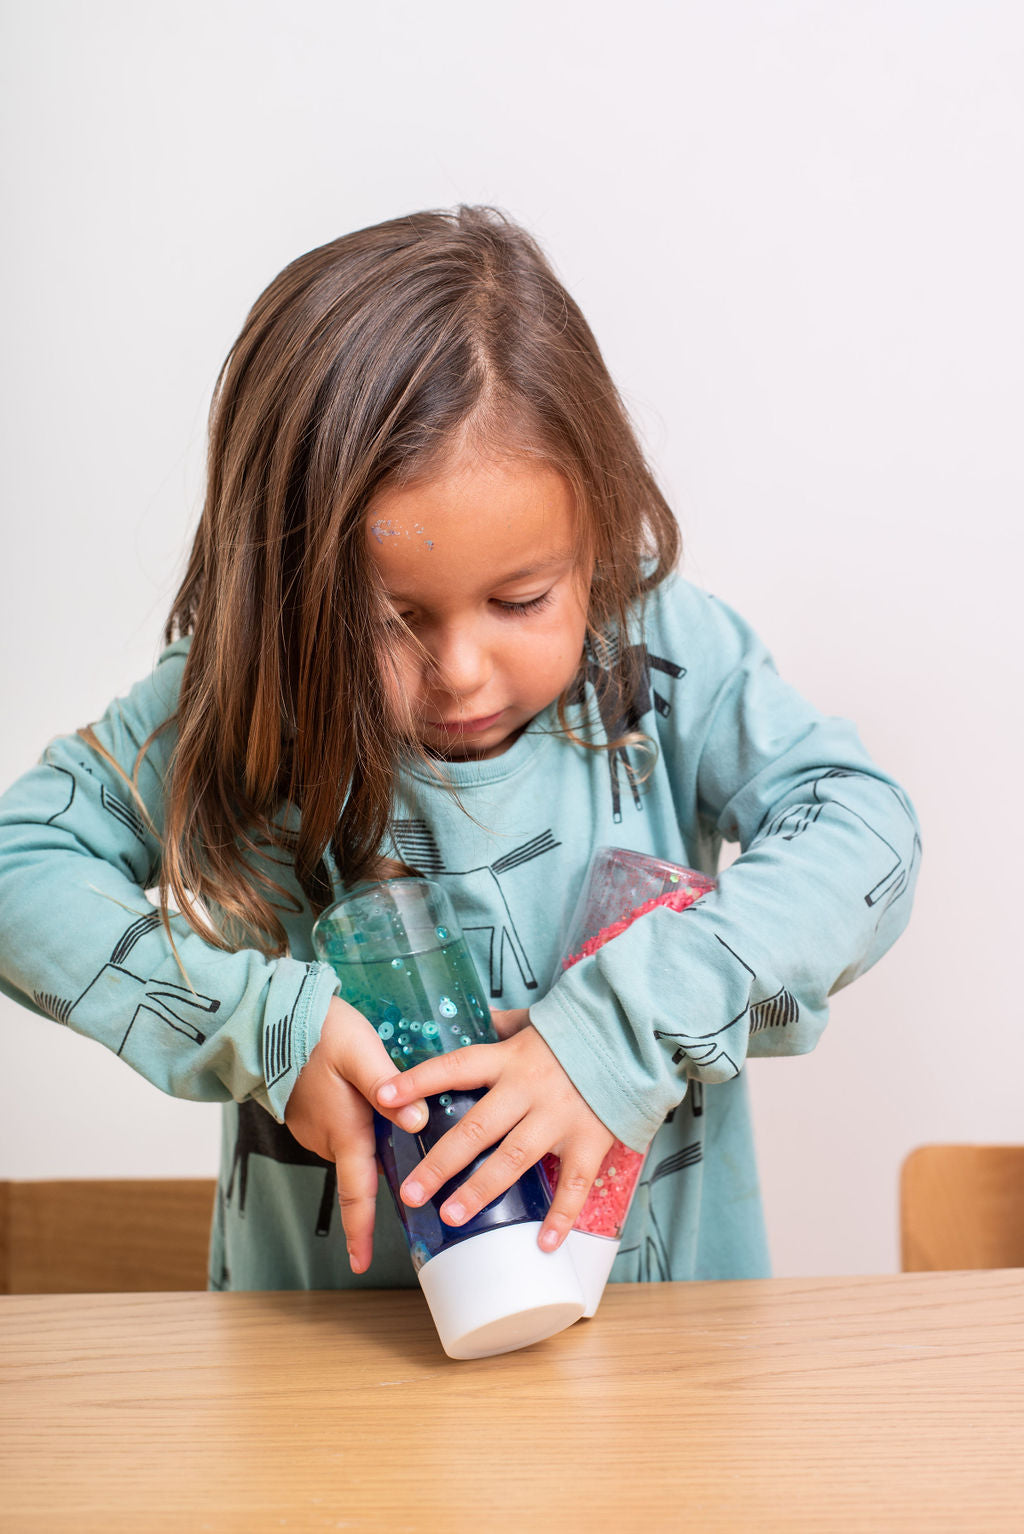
796 229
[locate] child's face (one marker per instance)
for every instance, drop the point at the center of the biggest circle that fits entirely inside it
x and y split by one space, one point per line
482 564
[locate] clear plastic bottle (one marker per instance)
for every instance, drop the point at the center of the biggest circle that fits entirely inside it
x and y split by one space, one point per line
402 961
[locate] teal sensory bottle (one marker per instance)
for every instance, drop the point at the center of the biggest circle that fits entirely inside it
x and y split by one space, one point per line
403 962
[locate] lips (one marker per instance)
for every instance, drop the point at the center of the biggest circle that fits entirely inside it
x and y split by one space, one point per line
466 726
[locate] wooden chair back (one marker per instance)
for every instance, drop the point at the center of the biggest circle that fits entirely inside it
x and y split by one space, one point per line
962 1206
104 1236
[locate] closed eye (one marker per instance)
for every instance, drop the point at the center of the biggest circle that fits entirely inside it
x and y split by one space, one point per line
517 609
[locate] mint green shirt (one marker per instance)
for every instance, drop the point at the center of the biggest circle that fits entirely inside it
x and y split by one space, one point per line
654 1029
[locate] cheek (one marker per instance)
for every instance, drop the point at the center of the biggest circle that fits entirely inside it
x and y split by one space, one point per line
400 679
556 652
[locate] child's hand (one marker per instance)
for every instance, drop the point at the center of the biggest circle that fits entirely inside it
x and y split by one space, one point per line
508 1023
329 1113
532 1108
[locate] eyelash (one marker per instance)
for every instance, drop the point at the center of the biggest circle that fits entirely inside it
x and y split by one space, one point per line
516 609
507 609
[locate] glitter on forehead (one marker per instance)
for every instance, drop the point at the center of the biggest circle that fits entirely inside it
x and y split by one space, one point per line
384 527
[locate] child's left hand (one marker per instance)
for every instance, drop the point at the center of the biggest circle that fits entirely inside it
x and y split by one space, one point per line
531 1109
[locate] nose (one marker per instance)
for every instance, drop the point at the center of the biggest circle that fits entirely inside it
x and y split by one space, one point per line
461 663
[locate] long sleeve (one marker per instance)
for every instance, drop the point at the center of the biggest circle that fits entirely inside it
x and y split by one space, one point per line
822 887
81 943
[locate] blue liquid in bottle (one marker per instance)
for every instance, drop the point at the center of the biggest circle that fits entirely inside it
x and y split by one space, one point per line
403 963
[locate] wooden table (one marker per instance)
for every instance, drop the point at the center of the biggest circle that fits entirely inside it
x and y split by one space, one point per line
868 1404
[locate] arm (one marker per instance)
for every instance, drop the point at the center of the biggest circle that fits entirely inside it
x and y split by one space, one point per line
823 886
81 943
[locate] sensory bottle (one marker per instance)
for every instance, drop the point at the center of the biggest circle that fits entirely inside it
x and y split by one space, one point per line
403 963
620 887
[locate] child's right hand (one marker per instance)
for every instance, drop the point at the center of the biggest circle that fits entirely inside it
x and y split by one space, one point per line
329 1113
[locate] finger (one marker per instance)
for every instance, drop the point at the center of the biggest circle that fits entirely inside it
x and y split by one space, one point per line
486 1123
356 1162
476 1066
365 1062
517 1152
575 1179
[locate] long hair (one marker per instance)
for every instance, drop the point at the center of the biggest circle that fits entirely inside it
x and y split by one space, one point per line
356 370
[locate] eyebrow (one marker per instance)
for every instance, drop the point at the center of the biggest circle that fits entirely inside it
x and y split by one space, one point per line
539 566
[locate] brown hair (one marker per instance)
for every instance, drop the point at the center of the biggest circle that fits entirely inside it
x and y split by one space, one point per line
358 368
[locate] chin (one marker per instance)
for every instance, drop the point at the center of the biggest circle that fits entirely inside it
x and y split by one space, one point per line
474 749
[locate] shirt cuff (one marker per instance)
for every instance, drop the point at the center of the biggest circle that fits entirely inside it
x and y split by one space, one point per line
289 1038
581 1050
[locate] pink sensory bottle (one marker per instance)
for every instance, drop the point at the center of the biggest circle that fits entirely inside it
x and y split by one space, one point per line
620 887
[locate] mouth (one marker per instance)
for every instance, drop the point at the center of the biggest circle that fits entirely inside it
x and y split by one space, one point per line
466 726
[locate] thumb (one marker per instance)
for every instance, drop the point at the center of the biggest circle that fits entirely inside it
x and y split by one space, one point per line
359 1055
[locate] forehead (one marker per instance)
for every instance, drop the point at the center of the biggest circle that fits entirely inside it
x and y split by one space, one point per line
480 522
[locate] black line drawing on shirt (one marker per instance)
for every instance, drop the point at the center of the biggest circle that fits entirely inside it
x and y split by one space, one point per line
416 845
708 1049
122 812
694 1101
259 1134
620 715
277 1040
125 814
896 876
221 1280
57 1007
113 989
109 801
71 794
132 934
651 1262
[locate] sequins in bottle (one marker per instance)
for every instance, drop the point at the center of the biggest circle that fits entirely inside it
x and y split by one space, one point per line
402 961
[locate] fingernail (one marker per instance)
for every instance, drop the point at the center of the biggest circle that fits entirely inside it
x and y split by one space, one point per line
353 1261
412 1118
387 1093
412 1193
453 1214
549 1240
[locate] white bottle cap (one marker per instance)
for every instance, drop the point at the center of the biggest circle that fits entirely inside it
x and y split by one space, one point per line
592 1258
498 1291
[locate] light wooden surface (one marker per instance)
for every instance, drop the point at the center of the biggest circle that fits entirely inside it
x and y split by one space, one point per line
94 1236
962 1206
867 1404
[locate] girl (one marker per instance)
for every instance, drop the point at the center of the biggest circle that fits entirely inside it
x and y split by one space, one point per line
430 621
